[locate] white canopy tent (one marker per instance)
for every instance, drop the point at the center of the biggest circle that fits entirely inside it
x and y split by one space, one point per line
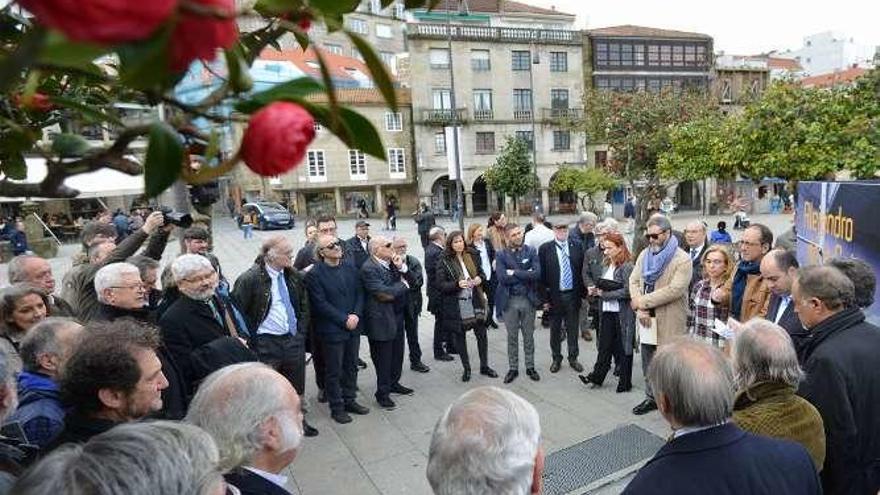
98 184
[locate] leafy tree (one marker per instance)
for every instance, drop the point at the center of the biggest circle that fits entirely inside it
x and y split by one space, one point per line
71 67
584 182
636 127
513 173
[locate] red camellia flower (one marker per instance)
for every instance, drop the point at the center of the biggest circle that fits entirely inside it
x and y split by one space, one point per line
197 36
37 102
276 138
105 22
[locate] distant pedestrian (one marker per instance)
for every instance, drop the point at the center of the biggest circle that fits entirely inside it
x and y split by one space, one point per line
424 219
721 236
247 225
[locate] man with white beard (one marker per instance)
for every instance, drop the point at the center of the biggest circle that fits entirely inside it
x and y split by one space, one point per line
254 415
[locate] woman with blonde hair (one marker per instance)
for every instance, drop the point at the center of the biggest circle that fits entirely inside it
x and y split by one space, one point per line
617 323
495 230
703 310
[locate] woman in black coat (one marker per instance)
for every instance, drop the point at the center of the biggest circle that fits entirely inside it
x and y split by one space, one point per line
462 302
481 249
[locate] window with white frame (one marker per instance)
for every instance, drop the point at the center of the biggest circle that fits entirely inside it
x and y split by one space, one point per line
399 11
440 143
317 166
383 30
318 127
397 162
561 140
333 48
357 164
358 26
390 61
480 60
439 58
558 62
393 121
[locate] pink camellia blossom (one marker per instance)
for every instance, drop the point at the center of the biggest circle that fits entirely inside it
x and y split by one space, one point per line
277 137
198 36
105 22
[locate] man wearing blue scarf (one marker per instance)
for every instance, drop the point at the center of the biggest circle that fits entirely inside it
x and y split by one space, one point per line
749 295
659 289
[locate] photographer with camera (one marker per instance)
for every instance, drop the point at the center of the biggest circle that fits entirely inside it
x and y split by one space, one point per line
107 251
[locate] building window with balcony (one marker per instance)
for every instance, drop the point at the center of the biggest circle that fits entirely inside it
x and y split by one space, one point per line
558 61
559 100
690 55
389 59
654 55
482 104
561 140
358 26
439 58
528 137
485 143
317 166
665 55
333 48
601 50
522 104
442 99
397 163
383 31
393 121
614 54
520 60
440 143
480 60
357 164
678 56
639 55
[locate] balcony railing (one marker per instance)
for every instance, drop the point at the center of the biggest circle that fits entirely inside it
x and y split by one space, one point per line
483 114
485 33
522 115
562 113
443 115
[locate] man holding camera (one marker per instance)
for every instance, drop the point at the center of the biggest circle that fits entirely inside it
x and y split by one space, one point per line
107 251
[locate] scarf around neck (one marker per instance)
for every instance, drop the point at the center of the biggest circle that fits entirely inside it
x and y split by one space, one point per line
743 270
655 263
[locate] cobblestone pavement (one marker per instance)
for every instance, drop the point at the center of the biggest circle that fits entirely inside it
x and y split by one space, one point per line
386 452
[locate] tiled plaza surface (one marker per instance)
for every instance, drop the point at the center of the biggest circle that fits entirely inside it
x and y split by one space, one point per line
385 452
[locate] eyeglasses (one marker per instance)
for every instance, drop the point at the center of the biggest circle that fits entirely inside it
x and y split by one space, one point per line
333 245
654 237
747 243
137 288
388 245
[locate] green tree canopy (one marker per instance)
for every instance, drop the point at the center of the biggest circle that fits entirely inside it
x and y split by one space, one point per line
585 182
513 172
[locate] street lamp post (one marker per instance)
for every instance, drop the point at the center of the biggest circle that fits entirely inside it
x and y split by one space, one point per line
459 186
535 60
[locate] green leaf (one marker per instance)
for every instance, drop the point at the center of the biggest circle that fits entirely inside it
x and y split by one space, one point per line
164 159
335 6
143 65
12 65
272 7
302 39
59 51
69 145
213 147
364 135
377 69
239 77
288 91
13 164
89 113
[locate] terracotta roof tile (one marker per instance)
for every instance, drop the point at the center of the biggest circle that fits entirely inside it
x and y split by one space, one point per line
363 96
338 65
629 30
497 7
784 63
832 79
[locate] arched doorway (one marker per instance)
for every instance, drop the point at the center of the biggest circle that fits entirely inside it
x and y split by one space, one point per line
443 195
481 196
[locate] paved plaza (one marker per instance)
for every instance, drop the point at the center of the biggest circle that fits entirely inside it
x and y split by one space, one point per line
386 452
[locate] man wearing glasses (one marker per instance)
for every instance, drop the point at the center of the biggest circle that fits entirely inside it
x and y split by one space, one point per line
747 293
659 289
337 300
273 299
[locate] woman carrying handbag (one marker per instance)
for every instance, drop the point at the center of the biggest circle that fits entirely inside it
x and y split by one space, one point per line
463 303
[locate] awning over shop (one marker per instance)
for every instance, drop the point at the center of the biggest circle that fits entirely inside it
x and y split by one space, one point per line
99 184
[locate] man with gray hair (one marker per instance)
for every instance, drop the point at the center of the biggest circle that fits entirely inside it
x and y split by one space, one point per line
119 285
693 383
487 442
253 413
697 243
767 375
44 351
842 377
134 459
36 271
582 232
442 340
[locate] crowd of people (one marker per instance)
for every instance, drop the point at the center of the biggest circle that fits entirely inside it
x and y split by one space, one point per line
133 360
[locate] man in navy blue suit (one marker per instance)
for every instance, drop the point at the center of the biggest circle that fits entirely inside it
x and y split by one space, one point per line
253 413
693 384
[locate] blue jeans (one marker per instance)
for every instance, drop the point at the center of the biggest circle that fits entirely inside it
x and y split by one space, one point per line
248 230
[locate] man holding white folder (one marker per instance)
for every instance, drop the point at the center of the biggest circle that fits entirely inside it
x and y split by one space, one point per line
659 289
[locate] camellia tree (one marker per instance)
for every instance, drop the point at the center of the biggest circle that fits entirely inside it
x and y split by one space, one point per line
636 127
70 62
513 172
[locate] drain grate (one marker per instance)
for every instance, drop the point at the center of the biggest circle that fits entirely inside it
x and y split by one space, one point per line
595 458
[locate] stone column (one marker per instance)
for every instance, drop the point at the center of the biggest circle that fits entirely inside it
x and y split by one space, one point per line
545 200
34 231
380 201
468 203
340 206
